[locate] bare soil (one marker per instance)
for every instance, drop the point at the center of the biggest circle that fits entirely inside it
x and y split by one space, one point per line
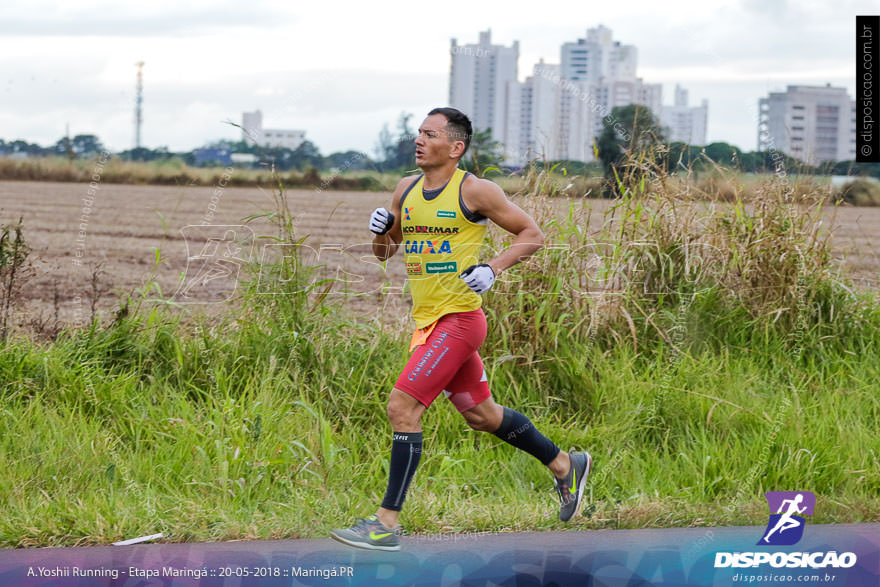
203 241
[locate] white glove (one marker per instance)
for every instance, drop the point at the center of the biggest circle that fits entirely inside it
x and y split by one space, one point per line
479 278
381 221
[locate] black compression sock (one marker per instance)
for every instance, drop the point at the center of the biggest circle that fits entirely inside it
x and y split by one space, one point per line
406 450
519 431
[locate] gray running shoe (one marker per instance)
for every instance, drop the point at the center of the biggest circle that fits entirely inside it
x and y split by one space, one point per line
368 533
571 489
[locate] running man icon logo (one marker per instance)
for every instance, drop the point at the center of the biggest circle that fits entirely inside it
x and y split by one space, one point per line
786 525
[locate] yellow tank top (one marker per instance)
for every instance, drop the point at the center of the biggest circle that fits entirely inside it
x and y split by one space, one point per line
441 238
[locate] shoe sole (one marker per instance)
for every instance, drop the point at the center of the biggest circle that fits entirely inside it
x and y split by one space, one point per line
364 545
583 485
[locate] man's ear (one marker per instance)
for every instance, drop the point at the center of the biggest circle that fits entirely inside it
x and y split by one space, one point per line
457 150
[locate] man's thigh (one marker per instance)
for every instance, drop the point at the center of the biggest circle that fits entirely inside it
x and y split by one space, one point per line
432 366
469 386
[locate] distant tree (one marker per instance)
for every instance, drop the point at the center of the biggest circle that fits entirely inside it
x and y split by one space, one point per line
78 146
307 155
146 154
278 157
63 148
723 154
751 162
682 156
283 159
384 147
774 162
32 149
396 153
483 153
405 150
628 130
240 146
348 161
853 168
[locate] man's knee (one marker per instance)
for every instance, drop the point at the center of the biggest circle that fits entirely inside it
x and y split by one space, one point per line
477 421
402 412
396 411
487 419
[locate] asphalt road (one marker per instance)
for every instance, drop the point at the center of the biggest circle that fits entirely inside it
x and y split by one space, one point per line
630 558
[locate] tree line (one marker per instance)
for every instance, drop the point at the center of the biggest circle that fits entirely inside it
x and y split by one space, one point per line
634 130
305 156
627 130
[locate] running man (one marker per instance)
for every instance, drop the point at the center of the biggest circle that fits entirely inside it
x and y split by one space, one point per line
786 521
441 217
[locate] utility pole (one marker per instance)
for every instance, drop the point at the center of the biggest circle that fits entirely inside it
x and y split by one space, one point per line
138 101
68 146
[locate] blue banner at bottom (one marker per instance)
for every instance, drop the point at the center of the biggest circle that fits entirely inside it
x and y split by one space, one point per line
839 555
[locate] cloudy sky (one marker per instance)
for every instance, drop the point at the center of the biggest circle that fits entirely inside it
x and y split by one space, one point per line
340 70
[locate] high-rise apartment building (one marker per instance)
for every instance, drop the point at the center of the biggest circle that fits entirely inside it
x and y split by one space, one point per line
683 123
534 114
597 74
556 112
810 123
482 78
596 56
610 92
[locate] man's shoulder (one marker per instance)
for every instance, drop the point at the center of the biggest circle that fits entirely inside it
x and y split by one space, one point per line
403 184
472 182
407 181
473 187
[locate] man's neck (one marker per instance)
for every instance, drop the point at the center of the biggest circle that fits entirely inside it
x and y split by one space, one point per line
437 177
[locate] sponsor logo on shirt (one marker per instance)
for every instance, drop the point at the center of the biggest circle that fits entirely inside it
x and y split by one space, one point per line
448 267
421 229
428 247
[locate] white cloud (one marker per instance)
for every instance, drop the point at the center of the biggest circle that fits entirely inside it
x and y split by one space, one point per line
339 70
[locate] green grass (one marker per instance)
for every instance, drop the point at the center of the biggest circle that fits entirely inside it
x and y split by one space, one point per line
254 435
746 369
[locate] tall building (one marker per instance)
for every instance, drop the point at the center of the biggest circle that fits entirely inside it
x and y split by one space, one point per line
575 123
685 124
810 123
534 114
609 93
252 131
596 56
252 127
557 111
598 74
482 78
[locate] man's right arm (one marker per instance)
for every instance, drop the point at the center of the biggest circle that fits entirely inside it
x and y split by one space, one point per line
385 245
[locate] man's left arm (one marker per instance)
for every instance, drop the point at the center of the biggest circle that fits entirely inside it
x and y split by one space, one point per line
488 199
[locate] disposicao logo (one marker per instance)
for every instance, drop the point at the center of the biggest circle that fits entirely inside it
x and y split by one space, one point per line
785 528
786 525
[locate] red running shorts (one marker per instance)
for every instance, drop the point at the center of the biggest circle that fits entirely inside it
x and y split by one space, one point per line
448 361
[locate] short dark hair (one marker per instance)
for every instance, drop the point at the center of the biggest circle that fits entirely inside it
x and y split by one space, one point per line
458 125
